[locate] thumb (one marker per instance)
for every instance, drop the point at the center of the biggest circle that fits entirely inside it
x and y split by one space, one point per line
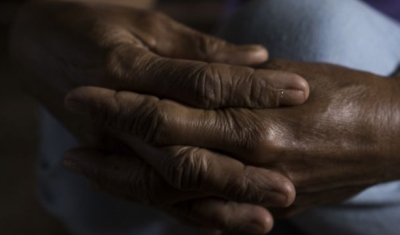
175 40
203 47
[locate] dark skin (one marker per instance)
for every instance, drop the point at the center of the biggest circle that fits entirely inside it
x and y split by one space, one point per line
61 46
237 160
340 142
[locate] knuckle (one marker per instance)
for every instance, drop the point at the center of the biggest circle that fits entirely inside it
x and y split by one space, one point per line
126 64
150 121
239 188
273 141
244 134
108 112
146 120
187 169
255 185
114 64
201 45
209 85
261 94
245 188
266 140
207 45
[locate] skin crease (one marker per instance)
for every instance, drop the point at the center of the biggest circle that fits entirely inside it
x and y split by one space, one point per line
60 46
340 142
66 45
326 147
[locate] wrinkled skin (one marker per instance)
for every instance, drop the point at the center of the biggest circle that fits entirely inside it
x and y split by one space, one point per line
341 141
61 46
128 176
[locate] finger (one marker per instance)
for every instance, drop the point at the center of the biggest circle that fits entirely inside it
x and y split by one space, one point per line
224 215
183 167
131 179
166 123
188 168
127 177
171 39
203 47
200 84
307 201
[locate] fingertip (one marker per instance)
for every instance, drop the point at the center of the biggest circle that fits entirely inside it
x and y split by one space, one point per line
261 221
301 84
254 55
290 191
296 92
284 192
258 53
277 190
290 97
245 55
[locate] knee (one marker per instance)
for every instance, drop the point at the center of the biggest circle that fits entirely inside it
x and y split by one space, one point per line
293 29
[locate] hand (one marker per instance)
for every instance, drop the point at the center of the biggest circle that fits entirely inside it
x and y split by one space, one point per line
58 46
195 203
341 141
65 45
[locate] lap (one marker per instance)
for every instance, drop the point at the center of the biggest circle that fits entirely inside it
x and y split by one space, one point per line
344 32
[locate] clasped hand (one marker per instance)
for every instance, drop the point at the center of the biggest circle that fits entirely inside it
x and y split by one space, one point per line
323 149
198 128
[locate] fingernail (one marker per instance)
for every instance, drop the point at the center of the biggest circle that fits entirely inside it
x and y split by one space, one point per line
254 228
291 97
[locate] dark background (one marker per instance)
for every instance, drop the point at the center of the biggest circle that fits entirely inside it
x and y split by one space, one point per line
20 211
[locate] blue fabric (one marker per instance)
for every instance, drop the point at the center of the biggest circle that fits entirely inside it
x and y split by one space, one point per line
388 7
344 32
